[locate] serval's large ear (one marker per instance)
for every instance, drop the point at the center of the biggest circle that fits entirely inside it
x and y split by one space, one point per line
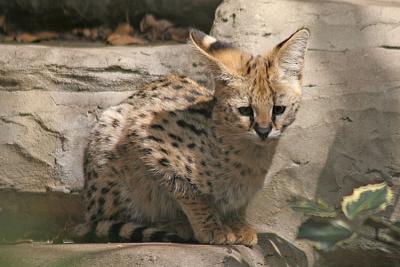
288 56
227 60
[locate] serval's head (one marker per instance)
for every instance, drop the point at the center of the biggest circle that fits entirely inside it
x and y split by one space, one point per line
257 97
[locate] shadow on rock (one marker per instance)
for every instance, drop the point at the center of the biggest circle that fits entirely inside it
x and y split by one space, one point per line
280 252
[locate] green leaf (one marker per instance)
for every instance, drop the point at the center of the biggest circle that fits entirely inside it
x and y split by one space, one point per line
324 235
367 199
313 208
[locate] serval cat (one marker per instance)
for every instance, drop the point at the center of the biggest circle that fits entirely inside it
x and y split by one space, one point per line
178 162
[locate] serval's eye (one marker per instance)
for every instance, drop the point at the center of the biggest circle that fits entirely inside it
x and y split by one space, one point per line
278 110
246 111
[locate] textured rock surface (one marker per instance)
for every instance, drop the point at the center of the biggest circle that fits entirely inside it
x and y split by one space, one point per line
347 130
50 95
64 14
272 251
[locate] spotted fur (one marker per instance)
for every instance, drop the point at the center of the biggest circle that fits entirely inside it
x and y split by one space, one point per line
178 162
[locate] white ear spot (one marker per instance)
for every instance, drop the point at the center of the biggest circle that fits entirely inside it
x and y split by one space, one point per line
208 41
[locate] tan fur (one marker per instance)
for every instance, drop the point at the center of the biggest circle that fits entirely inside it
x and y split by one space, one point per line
103 227
126 230
184 160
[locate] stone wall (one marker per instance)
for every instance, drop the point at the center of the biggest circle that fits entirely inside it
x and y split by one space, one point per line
50 95
346 134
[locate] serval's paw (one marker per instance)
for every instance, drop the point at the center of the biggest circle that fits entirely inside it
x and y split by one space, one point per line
221 235
246 235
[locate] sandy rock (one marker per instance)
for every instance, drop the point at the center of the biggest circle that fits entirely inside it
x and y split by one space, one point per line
273 251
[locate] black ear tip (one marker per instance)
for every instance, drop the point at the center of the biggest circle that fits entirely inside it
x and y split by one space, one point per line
196 35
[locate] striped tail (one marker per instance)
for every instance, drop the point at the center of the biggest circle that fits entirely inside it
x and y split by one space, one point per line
122 232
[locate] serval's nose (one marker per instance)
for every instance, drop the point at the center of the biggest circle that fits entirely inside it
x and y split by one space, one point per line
263 131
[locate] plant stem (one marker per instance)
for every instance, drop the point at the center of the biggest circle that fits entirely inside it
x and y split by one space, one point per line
383 238
384 222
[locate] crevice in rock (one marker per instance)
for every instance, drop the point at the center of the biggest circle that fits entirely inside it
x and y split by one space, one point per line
347 119
23 152
7 120
64 15
309 85
327 50
390 47
41 124
8 82
119 69
112 68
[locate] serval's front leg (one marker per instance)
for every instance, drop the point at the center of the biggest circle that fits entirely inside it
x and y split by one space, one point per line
205 222
244 232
